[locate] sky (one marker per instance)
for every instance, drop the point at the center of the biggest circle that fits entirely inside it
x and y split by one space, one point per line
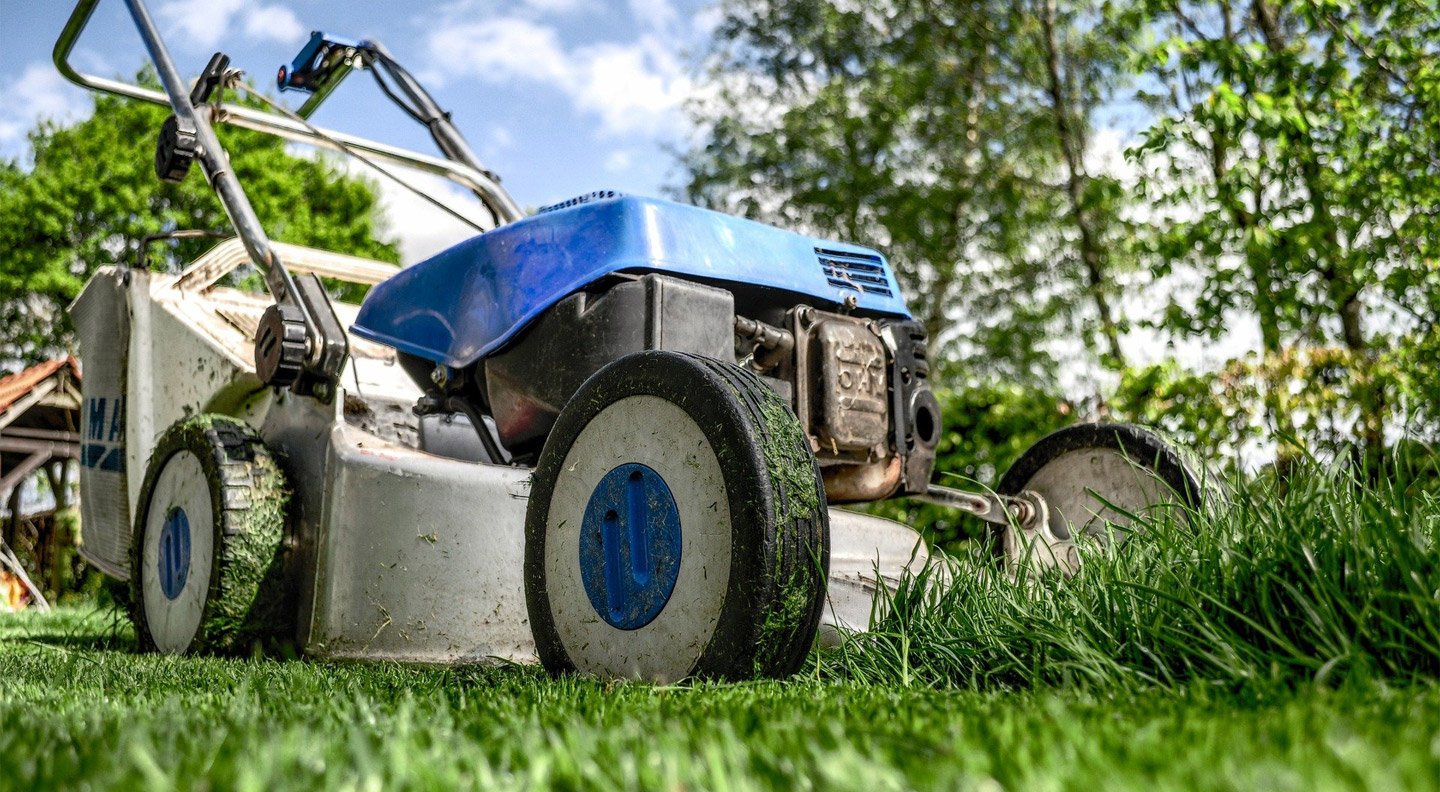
559 97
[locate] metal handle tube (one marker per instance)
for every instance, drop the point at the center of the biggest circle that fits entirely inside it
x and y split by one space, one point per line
212 156
502 205
326 344
227 188
442 129
471 178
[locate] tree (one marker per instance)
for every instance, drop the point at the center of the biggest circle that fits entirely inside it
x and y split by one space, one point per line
1082 61
1296 141
945 134
91 196
1290 180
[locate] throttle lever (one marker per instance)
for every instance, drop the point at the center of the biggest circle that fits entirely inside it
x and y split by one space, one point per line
211 78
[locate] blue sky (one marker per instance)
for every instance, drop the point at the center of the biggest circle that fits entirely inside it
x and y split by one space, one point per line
560 97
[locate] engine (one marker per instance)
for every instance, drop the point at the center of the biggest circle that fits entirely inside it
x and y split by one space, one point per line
503 329
857 383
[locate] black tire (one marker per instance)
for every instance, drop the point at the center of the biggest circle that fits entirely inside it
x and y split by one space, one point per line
1142 447
778 524
246 600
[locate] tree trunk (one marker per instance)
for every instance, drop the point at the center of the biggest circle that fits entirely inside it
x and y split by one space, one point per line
52 477
1092 255
66 472
1334 264
12 524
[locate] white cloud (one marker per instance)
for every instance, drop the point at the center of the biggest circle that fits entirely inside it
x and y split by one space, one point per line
529 9
503 49
558 6
273 23
705 21
654 14
421 228
201 24
634 87
619 161
38 93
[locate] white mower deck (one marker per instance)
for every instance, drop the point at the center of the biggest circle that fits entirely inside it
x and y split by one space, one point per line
417 557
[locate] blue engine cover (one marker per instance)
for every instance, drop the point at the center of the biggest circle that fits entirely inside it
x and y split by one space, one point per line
466 302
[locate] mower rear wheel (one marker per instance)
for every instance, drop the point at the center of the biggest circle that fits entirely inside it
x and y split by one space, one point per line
207 557
677 527
1097 480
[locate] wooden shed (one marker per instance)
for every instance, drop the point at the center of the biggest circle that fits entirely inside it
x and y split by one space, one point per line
39 436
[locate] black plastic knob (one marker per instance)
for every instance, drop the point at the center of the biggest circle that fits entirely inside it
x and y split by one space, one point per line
177 148
280 346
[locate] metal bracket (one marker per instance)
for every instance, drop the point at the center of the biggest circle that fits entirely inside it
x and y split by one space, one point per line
1027 537
329 347
320 67
212 78
439 403
997 509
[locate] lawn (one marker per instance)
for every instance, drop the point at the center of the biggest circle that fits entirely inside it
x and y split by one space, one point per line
1290 644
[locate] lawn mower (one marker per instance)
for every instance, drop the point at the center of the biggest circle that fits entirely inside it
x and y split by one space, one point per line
613 435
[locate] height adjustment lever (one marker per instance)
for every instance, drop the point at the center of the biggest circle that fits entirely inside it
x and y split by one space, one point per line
176 149
320 66
179 143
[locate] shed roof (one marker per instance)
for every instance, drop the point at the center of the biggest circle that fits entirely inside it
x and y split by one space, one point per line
14 388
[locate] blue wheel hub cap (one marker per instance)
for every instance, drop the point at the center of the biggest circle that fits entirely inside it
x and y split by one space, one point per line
630 546
174 553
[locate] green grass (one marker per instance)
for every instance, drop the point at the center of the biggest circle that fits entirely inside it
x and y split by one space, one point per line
1320 580
1289 643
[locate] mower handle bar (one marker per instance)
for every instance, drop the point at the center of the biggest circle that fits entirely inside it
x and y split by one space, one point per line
494 196
324 352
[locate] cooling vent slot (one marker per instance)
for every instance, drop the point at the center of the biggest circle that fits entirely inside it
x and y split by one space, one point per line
862 272
598 195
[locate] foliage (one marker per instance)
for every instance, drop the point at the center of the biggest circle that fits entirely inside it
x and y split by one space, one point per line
932 132
91 196
1212 413
1284 179
1292 156
1220 415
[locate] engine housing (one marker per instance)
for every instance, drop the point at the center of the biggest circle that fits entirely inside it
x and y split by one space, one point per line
858 383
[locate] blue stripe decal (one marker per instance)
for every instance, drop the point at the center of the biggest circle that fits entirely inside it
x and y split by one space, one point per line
104 422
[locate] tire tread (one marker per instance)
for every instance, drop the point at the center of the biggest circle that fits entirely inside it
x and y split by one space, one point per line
245 605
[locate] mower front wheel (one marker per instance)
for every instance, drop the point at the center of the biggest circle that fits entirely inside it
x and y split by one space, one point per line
677 527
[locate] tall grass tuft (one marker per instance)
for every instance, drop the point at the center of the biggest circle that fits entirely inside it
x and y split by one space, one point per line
1317 580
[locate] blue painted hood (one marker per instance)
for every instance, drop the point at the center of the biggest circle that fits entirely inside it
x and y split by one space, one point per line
460 305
